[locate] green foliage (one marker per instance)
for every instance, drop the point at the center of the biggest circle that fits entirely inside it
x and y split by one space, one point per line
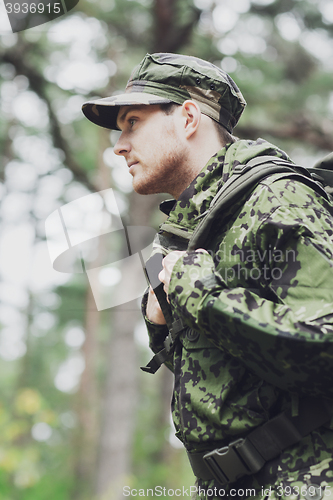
26 465
286 79
155 461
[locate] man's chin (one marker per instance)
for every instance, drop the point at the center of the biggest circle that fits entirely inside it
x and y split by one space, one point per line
144 188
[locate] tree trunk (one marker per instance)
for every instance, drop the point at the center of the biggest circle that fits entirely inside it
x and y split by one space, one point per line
87 400
120 397
87 405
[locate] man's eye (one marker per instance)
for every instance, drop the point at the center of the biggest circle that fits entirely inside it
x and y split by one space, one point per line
132 121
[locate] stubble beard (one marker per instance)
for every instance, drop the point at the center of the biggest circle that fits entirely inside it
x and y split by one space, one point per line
163 177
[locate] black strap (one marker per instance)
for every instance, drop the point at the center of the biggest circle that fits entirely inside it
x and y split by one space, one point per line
156 362
242 181
247 456
152 270
322 175
174 324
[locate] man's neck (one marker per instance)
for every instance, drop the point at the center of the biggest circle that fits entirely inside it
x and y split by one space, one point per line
195 165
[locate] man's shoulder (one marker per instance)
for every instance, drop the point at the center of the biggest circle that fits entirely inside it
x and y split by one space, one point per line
283 189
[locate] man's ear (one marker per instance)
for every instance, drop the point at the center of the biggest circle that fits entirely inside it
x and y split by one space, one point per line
192 115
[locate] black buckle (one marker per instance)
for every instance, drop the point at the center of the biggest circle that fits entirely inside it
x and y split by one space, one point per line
177 327
231 462
169 343
155 362
241 169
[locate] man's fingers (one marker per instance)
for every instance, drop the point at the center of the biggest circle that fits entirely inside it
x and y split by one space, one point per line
153 309
161 275
201 250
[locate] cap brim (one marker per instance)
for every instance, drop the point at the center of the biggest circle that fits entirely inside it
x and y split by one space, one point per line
104 112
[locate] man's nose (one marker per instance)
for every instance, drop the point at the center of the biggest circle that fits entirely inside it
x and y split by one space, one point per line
122 147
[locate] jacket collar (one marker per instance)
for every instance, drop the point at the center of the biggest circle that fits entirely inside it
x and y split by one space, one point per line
196 198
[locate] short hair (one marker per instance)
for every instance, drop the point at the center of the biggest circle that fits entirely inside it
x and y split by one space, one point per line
169 107
224 136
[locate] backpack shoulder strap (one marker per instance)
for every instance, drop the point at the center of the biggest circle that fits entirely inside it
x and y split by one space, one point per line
322 174
243 180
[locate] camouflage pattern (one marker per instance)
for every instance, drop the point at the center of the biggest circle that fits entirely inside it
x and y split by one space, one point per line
163 78
258 310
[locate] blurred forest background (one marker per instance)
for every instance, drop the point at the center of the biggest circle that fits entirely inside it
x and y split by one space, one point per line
78 420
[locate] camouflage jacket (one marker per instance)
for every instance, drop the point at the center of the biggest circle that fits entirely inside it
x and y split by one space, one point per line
258 310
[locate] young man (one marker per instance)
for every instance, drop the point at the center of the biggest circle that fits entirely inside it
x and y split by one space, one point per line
251 311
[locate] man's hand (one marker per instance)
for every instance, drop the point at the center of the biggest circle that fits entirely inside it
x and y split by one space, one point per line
168 264
153 310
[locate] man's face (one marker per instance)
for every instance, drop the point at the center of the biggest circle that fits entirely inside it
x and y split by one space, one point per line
151 142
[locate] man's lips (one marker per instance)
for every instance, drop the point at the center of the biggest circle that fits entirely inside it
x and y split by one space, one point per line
132 164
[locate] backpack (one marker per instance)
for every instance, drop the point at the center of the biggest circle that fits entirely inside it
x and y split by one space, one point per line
243 180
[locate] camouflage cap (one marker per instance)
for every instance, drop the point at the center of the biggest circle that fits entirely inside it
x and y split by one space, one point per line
164 78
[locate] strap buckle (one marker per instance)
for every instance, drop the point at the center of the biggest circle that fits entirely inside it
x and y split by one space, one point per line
169 343
231 462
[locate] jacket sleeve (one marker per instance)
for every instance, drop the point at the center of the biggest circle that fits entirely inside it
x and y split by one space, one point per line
280 325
